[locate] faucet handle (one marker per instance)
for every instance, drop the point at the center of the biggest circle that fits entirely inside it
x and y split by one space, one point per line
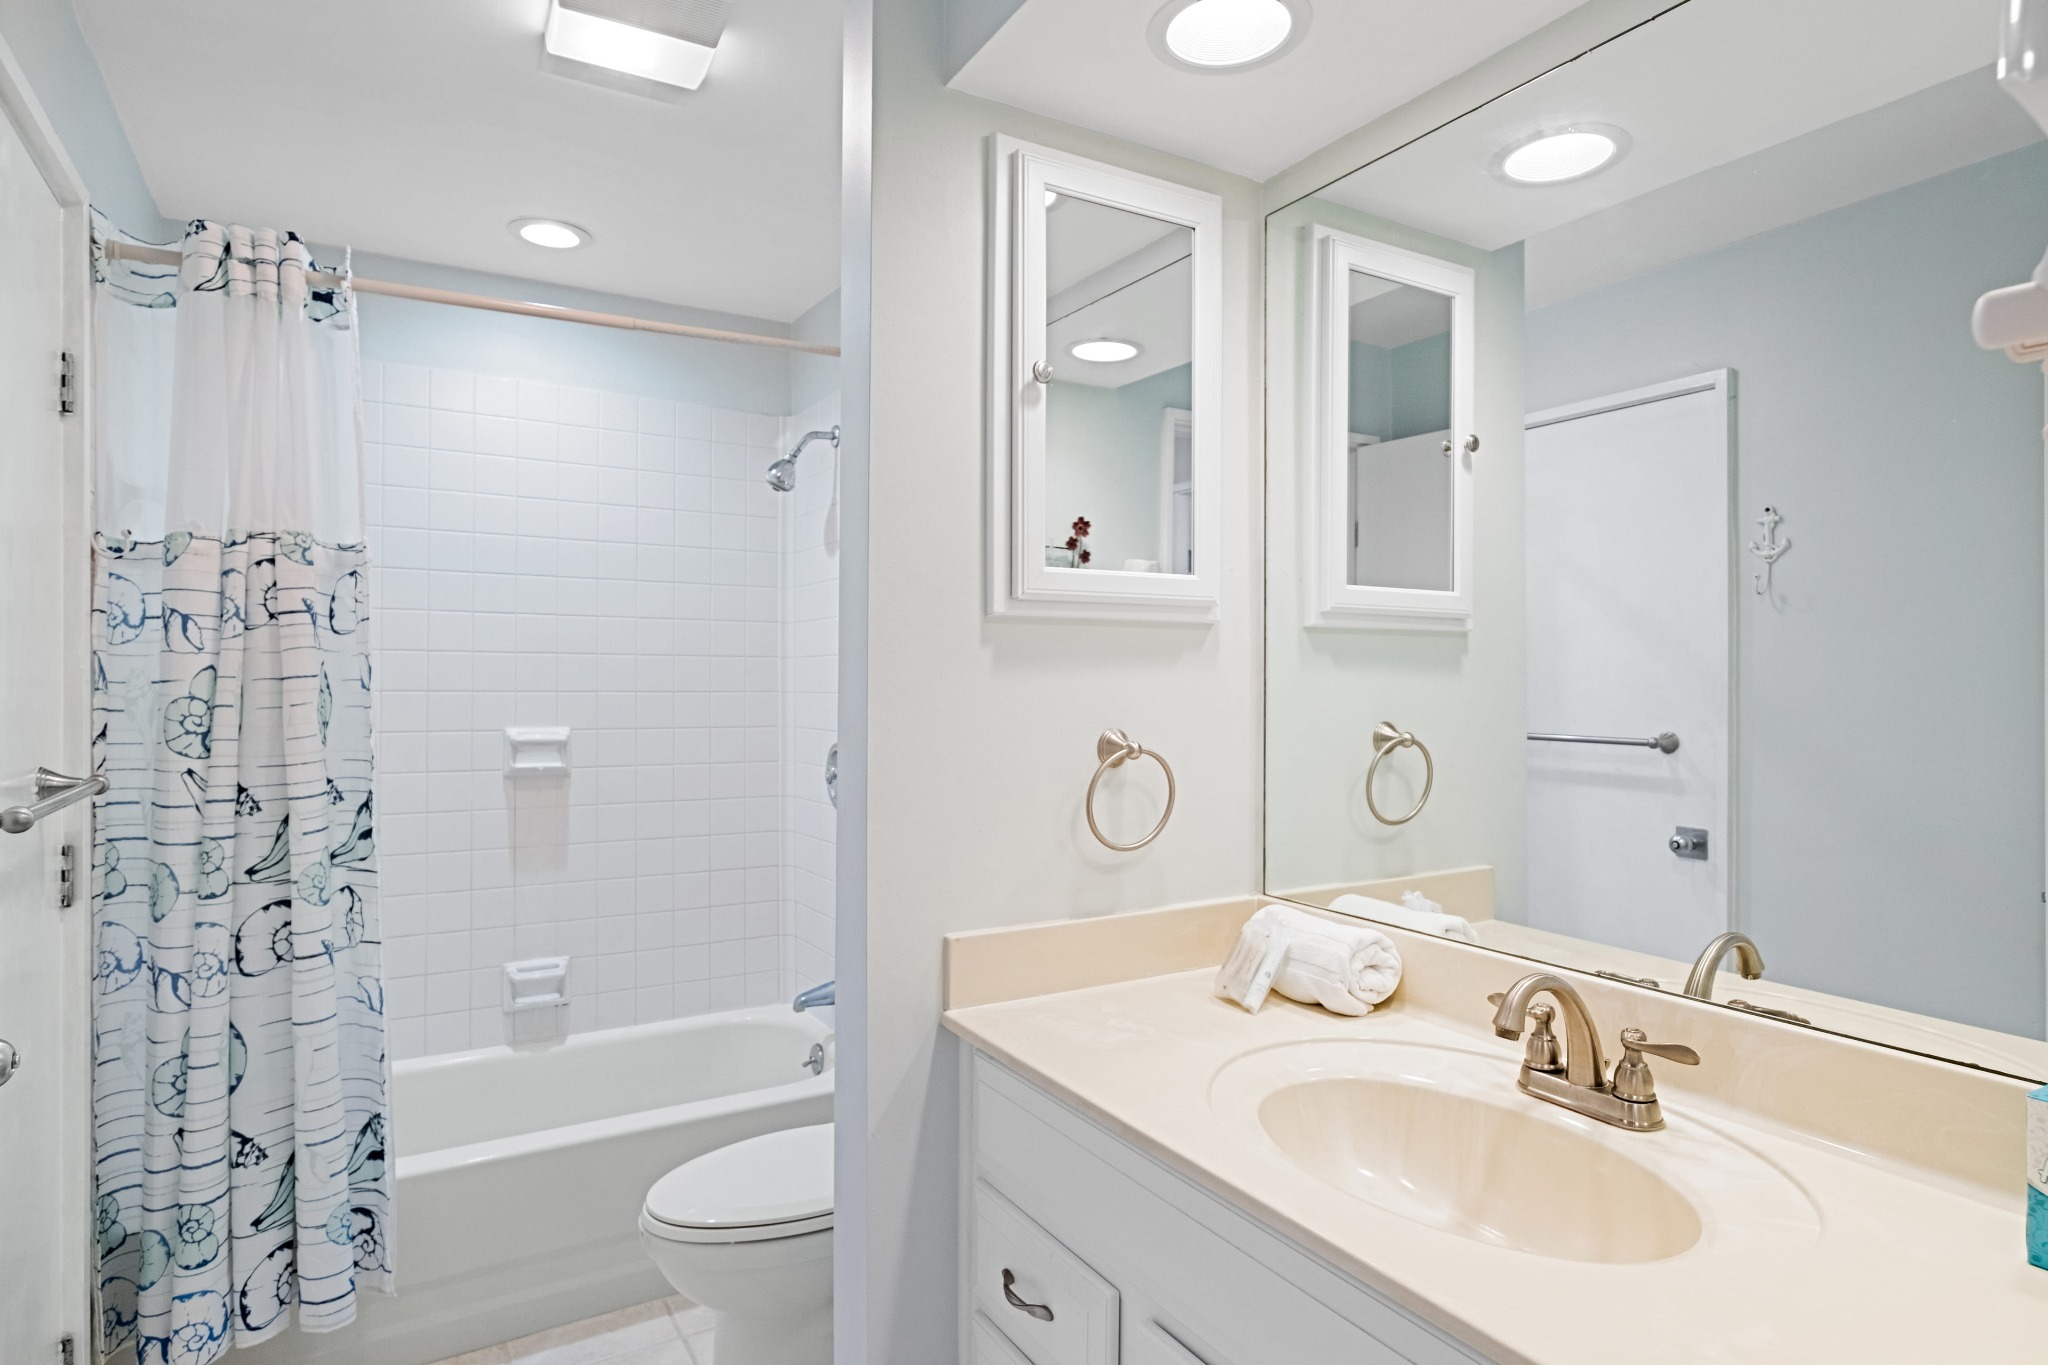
1632 1080
1634 1042
1541 1052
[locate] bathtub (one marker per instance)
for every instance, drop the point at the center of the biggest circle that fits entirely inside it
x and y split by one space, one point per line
521 1172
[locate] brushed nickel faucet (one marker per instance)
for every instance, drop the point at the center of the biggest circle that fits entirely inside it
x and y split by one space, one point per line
1578 1081
1748 961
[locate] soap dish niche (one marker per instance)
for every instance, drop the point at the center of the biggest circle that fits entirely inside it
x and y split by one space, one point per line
536 750
538 983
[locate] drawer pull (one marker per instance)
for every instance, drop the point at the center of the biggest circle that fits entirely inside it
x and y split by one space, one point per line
1036 1310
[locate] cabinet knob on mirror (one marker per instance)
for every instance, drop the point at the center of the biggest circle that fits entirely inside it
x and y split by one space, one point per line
1041 371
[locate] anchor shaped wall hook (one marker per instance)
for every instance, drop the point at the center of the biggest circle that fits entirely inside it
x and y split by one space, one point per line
1770 549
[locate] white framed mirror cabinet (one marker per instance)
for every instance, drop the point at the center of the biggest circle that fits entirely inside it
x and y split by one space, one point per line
1105 374
1390 430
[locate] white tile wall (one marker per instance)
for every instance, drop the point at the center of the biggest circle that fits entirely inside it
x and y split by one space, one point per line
558 556
810 653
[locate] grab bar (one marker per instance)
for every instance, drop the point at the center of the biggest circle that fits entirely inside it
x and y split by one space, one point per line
54 791
1665 742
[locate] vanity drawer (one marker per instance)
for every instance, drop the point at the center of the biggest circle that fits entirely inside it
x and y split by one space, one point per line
1076 1321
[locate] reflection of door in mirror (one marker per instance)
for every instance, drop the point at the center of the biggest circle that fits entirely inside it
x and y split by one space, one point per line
1400 418
1119 314
1627 594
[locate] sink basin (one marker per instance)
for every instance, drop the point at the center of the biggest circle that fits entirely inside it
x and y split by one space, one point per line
1488 1172
1437 1134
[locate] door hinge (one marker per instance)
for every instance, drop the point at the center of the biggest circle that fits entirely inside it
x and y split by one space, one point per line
67 1351
67 398
67 876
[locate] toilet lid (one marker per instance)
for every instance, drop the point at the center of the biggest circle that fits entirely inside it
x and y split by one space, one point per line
778 1184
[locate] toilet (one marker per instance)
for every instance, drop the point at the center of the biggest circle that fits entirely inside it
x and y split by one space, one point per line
746 1231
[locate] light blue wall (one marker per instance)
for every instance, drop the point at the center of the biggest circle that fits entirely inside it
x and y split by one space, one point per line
1890 751
1403 391
1419 378
45 39
1102 462
1372 398
716 373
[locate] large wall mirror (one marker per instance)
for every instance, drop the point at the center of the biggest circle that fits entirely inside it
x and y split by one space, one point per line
1755 643
1104 391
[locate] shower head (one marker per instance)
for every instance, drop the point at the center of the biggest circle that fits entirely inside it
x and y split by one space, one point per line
782 474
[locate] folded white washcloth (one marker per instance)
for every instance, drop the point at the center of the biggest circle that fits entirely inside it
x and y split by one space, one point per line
1345 968
1422 921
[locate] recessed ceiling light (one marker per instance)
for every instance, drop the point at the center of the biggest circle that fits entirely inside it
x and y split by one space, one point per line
1551 158
1227 35
551 233
670 41
1104 350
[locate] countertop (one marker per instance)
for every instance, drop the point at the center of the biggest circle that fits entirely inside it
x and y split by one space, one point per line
1899 1263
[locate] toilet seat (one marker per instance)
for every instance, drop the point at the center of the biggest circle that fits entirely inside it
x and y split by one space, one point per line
760 1189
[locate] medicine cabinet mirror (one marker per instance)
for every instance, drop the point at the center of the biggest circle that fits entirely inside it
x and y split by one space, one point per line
1106 306
1391 454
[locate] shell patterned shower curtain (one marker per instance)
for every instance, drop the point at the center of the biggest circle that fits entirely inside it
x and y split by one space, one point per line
239 1095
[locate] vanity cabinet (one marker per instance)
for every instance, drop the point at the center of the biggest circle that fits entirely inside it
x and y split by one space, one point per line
1135 1262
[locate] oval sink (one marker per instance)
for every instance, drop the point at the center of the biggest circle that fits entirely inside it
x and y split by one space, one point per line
1488 1172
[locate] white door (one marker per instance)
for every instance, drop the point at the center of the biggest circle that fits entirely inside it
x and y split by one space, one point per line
1628 611
43 965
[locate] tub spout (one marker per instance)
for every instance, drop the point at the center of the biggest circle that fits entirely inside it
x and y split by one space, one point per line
816 995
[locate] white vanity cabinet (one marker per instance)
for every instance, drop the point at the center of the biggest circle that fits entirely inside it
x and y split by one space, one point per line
1134 1262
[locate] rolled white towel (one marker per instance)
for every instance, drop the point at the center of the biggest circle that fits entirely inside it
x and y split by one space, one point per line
1421 921
1345 968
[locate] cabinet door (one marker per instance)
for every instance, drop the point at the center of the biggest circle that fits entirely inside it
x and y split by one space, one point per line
1048 1301
991 1347
1154 1345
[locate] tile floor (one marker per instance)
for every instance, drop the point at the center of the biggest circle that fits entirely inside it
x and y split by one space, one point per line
665 1332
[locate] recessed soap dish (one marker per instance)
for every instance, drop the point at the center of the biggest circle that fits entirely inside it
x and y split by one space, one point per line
537 983
536 749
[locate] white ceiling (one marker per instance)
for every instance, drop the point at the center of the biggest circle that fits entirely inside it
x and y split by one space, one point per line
420 128
1702 87
1117 274
1957 123
1089 62
1387 314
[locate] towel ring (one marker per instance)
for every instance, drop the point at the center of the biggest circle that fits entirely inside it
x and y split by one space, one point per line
1385 739
1113 747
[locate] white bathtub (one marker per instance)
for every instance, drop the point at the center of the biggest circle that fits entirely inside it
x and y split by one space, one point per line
521 1173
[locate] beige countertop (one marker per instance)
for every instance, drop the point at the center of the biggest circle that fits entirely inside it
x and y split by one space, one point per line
1894 1259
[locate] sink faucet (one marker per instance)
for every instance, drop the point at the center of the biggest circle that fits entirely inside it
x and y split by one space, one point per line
817 995
1748 961
1580 1082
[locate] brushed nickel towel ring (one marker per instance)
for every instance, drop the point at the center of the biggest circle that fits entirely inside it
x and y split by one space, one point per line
1385 739
1112 748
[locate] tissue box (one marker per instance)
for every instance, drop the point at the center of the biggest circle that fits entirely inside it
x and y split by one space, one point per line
2037 1178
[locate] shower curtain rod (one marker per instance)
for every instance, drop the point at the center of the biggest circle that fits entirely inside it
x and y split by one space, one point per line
160 255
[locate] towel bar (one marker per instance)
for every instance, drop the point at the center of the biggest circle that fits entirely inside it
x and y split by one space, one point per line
54 791
1112 748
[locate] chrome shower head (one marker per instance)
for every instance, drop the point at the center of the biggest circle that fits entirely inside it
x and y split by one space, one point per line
782 474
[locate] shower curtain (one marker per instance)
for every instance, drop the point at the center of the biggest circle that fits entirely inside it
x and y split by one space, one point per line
239 1093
